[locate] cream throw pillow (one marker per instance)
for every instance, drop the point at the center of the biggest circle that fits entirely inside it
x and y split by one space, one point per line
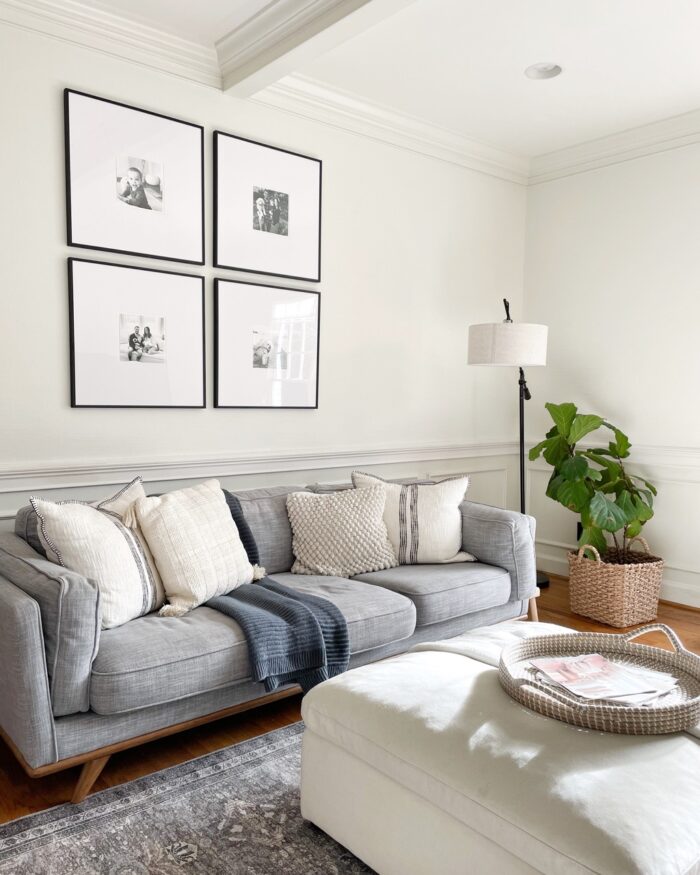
339 534
195 544
424 521
95 541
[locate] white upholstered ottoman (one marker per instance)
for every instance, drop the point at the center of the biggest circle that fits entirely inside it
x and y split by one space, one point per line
423 764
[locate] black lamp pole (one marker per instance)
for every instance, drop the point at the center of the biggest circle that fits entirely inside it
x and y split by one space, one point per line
523 395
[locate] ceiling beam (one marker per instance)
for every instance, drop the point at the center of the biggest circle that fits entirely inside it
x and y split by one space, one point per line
287 34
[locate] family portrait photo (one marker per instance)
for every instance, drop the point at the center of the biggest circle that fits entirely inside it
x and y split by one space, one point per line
270 211
140 183
141 338
269 350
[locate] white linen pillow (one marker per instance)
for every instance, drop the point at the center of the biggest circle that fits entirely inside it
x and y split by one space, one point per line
424 521
340 534
95 540
195 544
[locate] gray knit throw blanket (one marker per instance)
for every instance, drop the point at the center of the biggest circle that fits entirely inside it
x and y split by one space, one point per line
292 637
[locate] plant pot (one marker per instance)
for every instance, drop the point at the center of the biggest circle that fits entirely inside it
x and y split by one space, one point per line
613 592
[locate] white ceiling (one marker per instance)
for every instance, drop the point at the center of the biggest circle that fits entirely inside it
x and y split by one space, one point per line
453 64
459 64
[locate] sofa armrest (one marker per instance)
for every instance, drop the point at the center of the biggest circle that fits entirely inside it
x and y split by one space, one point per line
69 605
25 701
504 538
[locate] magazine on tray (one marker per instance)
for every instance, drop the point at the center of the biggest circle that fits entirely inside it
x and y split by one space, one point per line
592 676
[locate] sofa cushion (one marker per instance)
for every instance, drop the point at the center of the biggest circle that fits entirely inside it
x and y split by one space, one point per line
70 620
155 659
441 592
265 511
375 616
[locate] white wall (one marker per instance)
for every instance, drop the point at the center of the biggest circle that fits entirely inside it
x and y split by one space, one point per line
612 266
414 249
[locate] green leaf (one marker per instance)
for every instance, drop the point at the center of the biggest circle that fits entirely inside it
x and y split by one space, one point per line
621 446
634 528
555 482
627 505
563 415
574 468
642 510
594 474
536 450
593 536
583 424
606 514
612 467
556 451
573 494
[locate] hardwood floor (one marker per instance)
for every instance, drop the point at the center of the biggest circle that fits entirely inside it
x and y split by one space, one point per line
20 795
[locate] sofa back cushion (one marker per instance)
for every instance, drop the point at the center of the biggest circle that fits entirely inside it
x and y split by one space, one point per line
70 620
97 542
195 544
265 511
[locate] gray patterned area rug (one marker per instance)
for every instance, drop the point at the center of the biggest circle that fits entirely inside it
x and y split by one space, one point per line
234 811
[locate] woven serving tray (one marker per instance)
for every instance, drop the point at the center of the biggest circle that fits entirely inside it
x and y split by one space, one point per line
675 712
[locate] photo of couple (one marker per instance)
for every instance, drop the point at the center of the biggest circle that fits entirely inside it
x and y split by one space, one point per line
270 211
141 338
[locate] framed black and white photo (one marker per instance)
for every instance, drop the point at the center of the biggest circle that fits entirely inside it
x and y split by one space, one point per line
267 209
134 180
266 345
136 336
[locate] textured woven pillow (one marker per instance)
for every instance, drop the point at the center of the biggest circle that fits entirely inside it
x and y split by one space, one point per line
195 544
340 534
424 521
93 540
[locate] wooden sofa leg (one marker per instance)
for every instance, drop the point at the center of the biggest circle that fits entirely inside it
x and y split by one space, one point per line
88 775
534 616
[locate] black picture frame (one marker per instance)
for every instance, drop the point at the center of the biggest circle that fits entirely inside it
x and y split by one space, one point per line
217 262
70 236
71 262
217 325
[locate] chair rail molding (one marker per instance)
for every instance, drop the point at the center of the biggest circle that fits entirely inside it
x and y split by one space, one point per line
68 475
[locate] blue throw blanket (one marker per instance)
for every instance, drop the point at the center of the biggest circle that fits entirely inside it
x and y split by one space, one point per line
292 637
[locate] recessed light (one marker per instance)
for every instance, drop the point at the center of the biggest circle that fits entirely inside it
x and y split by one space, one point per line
543 71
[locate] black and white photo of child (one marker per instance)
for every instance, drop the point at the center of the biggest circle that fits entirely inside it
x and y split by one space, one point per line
268 350
141 338
270 211
140 183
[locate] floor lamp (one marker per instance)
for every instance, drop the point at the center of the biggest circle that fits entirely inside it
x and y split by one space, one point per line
511 344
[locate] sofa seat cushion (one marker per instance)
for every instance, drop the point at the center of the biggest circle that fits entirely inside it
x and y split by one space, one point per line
152 660
375 616
441 592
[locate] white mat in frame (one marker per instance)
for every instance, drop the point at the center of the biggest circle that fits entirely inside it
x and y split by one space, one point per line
136 336
266 345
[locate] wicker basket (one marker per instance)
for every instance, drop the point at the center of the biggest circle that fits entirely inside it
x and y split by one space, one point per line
677 711
614 593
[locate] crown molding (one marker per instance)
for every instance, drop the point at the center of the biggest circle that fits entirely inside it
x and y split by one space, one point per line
662 136
106 473
83 25
310 99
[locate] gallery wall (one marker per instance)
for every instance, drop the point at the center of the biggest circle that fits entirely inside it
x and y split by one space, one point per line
612 266
414 249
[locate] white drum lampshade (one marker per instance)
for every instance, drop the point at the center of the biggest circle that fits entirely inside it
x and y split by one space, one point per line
519 344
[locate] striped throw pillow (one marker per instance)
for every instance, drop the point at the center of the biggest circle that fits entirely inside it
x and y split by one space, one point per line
423 520
93 540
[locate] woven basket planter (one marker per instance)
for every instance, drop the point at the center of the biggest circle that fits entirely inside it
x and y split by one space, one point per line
614 593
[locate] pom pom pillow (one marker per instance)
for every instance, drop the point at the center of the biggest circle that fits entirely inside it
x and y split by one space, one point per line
424 521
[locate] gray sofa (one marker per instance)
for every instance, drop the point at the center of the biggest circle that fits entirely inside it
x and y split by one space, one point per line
73 694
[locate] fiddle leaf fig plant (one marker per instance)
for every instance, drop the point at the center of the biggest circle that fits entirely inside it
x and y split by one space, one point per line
593 482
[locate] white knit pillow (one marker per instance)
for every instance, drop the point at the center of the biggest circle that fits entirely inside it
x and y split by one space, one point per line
195 544
423 520
339 534
93 540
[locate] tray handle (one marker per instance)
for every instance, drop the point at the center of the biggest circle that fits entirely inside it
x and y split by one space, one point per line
658 627
553 693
